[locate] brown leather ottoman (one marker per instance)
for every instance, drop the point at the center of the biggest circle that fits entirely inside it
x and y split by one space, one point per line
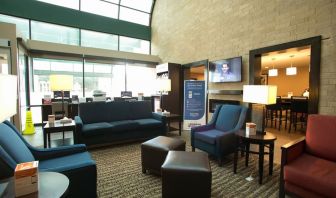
186 174
154 152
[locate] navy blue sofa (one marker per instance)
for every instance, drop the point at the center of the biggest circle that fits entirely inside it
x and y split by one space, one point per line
73 161
108 122
218 136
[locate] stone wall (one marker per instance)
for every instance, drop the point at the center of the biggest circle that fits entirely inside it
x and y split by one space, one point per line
185 31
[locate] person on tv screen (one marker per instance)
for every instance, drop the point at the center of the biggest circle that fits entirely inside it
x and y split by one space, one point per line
224 73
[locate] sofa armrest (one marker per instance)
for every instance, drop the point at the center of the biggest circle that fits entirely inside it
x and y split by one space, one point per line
79 127
202 128
44 154
160 117
292 150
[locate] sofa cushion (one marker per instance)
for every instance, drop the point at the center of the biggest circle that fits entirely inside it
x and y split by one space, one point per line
310 172
123 125
148 123
13 145
96 128
208 136
141 109
321 135
93 112
118 111
228 117
65 163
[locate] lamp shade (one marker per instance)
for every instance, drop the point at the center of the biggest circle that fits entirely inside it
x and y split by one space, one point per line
260 94
8 96
163 84
290 71
273 72
61 82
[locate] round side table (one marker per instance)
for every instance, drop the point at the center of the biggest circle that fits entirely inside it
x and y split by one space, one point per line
263 141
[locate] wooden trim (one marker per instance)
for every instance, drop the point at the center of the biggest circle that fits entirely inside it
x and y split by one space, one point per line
314 75
293 143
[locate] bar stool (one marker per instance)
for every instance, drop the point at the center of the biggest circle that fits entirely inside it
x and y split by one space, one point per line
298 112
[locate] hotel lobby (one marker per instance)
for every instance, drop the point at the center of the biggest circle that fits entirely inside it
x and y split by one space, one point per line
158 98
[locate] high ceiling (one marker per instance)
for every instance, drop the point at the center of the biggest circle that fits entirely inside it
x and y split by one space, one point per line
299 57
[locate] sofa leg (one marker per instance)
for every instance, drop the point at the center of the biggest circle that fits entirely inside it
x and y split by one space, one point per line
193 149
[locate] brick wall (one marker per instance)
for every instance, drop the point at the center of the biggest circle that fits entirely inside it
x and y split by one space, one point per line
185 31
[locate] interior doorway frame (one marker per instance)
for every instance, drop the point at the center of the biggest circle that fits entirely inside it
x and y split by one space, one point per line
206 67
314 74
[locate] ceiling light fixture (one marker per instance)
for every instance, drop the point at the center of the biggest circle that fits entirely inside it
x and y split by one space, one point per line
290 71
273 72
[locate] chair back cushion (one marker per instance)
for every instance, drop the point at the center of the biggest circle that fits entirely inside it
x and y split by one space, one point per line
228 117
321 136
141 109
12 144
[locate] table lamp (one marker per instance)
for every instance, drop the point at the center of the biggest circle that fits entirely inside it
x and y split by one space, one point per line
61 83
260 94
8 96
163 85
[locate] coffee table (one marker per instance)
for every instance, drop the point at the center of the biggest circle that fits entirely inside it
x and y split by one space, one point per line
50 184
263 141
56 128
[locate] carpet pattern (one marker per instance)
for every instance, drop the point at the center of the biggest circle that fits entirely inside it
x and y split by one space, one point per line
120 175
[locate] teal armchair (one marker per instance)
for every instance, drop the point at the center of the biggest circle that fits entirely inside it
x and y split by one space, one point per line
218 137
73 161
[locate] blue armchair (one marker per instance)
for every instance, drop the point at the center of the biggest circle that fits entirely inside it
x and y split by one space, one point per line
218 137
73 161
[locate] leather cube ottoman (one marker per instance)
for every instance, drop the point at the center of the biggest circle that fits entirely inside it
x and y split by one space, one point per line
186 174
154 152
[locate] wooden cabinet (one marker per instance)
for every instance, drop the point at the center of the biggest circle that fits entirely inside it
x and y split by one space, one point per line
173 101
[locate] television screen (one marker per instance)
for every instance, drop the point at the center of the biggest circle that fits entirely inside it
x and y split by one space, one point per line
226 70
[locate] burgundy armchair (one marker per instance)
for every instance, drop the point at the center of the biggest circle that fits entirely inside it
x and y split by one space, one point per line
308 165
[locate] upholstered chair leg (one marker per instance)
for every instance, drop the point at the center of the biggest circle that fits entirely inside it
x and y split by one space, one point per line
143 170
193 149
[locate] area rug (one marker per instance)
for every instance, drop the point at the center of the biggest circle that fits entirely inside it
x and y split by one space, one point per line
120 175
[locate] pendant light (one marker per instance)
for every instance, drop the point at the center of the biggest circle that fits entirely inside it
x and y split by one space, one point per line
290 71
273 72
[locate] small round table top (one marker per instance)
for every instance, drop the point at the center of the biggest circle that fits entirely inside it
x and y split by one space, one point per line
268 137
52 184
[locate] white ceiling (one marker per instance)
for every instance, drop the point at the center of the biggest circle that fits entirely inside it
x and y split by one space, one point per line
300 57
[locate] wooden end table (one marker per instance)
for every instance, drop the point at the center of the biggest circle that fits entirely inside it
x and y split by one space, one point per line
263 141
173 117
50 184
56 128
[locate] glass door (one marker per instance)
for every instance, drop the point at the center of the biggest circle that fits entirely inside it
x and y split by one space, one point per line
23 85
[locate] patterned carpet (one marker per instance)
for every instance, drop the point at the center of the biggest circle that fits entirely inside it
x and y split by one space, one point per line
119 174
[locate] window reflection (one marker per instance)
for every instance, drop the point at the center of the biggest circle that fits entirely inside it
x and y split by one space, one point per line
99 40
54 33
134 45
21 24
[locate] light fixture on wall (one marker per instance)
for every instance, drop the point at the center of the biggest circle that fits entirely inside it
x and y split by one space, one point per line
273 72
290 71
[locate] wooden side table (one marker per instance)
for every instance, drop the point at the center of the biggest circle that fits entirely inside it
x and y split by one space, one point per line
51 185
173 117
56 128
263 141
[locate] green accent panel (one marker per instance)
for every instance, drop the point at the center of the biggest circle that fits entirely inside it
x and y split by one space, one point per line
40 11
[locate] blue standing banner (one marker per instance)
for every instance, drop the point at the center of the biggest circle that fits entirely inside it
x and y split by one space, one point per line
194 103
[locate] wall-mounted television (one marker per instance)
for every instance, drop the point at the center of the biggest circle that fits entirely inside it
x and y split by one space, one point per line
226 70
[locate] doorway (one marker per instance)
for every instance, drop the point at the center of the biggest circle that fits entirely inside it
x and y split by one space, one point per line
196 71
